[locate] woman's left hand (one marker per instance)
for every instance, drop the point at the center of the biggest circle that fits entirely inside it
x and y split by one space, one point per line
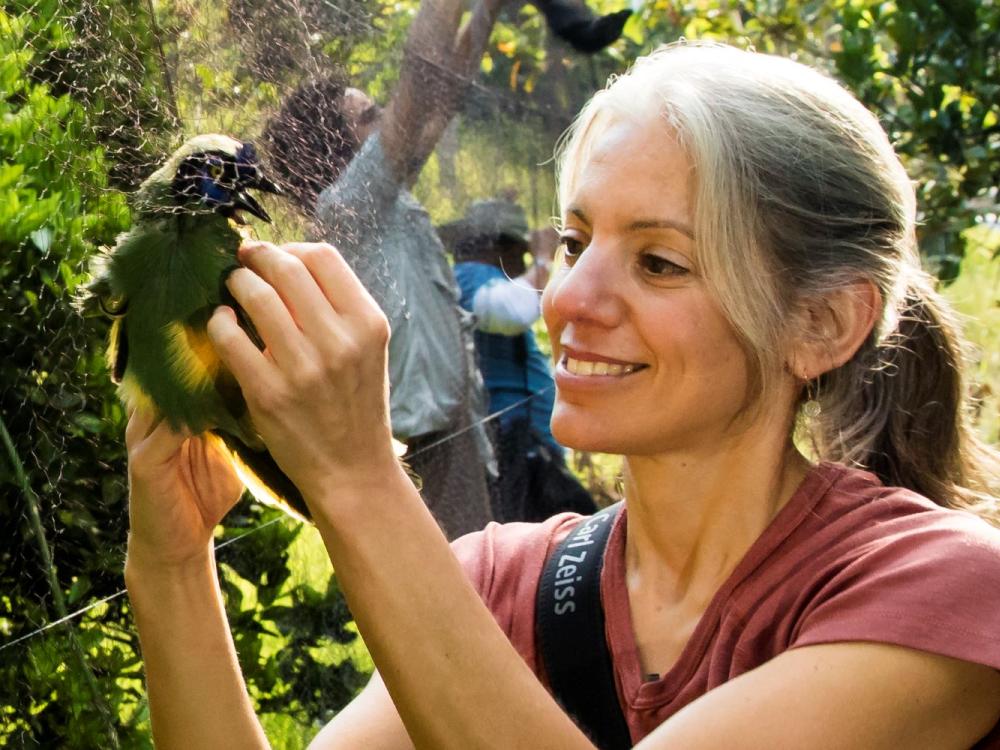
318 393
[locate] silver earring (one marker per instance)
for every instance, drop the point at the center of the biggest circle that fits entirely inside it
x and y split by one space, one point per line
812 407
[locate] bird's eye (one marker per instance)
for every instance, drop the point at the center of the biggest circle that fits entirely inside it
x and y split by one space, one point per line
215 171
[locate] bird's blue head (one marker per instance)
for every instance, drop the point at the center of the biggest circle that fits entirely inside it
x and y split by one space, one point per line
218 179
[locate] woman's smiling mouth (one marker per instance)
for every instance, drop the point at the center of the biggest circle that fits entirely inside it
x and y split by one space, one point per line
593 367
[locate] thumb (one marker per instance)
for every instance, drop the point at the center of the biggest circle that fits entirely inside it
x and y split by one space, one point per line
151 439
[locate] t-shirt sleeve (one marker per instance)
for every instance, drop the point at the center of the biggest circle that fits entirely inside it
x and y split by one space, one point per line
502 305
470 276
504 564
475 554
933 586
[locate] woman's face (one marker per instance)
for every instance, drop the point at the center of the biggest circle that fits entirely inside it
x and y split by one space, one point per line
645 361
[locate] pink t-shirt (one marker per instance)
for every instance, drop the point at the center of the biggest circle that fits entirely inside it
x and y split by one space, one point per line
846 559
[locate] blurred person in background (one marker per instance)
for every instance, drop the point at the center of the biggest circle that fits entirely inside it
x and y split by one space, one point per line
349 164
489 245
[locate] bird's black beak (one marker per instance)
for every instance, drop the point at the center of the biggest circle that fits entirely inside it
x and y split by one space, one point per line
262 183
243 201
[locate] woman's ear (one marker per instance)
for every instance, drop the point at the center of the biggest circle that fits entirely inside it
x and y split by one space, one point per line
832 328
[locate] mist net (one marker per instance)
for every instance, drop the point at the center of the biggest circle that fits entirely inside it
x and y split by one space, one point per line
94 95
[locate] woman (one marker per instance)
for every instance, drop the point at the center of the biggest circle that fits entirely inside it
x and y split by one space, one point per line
738 247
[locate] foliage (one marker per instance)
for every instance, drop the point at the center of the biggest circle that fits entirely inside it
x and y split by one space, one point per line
929 68
975 293
91 50
301 654
94 92
57 408
62 471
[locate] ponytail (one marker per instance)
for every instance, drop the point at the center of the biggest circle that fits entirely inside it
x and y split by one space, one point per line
900 409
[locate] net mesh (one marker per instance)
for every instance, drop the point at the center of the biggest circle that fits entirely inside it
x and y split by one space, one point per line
93 96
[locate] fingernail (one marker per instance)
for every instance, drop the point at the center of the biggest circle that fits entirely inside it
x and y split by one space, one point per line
226 311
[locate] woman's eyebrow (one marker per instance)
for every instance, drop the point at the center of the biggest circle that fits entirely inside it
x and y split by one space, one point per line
580 214
661 224
640 224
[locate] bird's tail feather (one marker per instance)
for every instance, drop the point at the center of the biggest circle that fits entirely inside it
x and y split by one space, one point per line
269 485
264 479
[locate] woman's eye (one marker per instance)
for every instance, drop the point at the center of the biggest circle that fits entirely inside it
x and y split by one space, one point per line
657 265
571 248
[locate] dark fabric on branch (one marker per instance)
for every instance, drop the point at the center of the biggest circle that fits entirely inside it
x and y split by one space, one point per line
577 25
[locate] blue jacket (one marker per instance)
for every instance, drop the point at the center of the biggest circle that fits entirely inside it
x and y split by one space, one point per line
513 367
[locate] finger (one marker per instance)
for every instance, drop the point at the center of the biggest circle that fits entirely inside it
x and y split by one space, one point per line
335 277
210 458
271 317
238 353
294 283
141 422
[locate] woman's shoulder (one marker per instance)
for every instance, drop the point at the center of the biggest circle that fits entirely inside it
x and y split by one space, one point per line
504 563
857 505
843 523
877 563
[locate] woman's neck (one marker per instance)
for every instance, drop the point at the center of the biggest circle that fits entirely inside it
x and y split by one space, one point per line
692 518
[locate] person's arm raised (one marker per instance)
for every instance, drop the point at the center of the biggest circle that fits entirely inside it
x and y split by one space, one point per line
441 60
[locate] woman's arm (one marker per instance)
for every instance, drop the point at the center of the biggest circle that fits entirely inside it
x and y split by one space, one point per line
318 397
197 696
179 490
369 721
843 695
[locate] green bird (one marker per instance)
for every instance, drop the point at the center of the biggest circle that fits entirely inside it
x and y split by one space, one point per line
160 283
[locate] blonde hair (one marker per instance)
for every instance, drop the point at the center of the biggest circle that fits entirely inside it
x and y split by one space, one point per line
798 192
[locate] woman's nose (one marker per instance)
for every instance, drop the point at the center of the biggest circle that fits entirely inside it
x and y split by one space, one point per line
588 291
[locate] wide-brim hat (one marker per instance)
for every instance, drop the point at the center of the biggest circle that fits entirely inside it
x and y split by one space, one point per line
495 217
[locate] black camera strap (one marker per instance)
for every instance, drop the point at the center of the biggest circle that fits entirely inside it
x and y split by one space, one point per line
570 632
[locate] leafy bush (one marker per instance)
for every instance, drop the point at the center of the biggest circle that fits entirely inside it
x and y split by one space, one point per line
63 495
62 467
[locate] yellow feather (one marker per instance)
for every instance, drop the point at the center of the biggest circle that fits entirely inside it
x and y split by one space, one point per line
133 396
260 491
191 356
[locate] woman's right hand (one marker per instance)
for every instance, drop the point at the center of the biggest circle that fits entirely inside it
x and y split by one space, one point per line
180 488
